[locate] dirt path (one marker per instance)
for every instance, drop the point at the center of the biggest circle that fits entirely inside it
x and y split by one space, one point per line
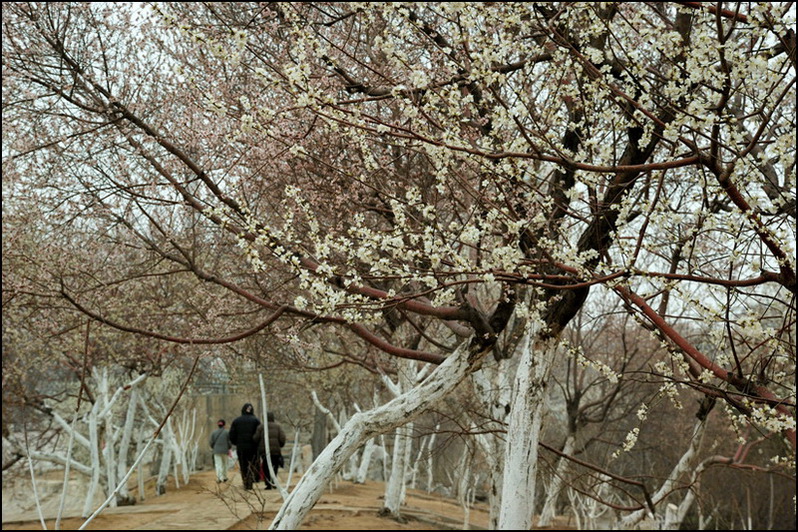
203 504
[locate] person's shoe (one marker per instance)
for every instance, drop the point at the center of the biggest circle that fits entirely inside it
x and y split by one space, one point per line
225 480
218 481
268 487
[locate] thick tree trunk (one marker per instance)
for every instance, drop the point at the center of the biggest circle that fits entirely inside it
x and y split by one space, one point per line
493 450
365 425
494 385
523 434
393 488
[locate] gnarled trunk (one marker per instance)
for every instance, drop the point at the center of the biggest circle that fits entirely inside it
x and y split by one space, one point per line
523 434
365 425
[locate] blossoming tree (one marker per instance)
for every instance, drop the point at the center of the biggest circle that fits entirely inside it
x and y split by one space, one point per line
443 168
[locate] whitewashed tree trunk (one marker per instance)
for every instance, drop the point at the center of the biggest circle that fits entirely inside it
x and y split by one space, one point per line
65 485
589 512
140 468
422 448
171 441
493 449
365 462
101 443
408 452
468 500
555 486
124 442
94 453
109 455
350 472
185 444
464 486
115 493
523 433
393 491
293 460
366 425
395 487
275 480
166 461
430 448
673 521
326 411
680 469
386 459
494 386
103 415
33 484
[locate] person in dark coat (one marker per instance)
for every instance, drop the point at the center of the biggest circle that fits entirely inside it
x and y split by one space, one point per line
242 435
276 441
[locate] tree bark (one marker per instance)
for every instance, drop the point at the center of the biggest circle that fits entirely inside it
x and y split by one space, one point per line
95 460
318 440
365 425
523 434
494 386
365 462
395 487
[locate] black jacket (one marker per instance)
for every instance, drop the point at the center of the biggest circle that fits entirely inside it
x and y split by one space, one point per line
242 432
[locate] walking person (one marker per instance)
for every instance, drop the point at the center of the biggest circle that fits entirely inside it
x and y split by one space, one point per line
242 433
220 444
276 442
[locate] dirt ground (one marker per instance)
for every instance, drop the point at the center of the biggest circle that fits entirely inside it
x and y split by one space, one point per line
204 505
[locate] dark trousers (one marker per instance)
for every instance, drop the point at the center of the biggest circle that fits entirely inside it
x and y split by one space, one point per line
248 461
276 460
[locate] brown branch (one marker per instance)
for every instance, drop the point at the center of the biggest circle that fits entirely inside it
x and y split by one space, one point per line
394 350
175 339
733 15
619 478
691 351
404 132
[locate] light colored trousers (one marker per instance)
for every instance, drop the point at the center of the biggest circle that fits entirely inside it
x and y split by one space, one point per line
220 463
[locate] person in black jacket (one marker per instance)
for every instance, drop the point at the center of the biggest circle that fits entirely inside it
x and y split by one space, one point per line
242 432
